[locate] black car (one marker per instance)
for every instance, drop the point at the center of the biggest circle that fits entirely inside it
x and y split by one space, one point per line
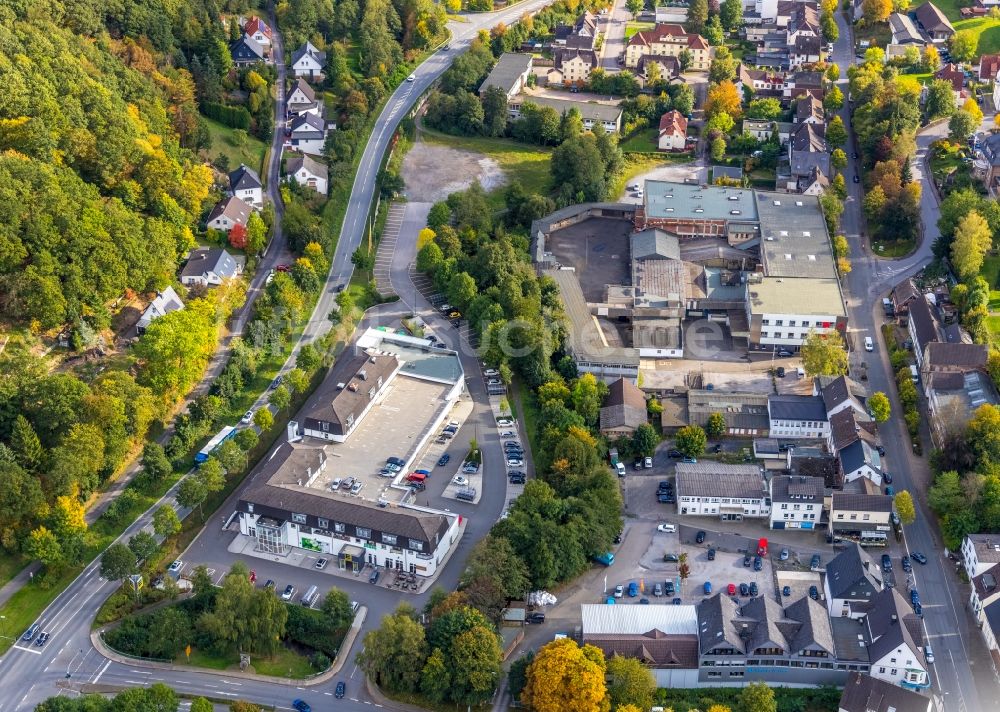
758 564
517 479
754 590
918 557
854 155
887 478
42 639
699 538
781 371
675 454
881 450
671 559
341 689
374 577
418 486
744 590
814 562
618 538
637 465
711 554
443 460
907 566
814 593
886 563
535 617
664 498
856 178
914 596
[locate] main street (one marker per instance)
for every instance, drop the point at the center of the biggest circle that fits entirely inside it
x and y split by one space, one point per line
957 645
29 674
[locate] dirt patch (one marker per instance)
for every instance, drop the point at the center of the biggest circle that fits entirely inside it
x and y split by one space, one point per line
433 172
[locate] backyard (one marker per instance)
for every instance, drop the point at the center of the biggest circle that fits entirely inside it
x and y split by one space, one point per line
987 28
991 273
224 142
632 27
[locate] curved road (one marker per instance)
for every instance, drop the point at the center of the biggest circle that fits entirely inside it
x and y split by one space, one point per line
29 674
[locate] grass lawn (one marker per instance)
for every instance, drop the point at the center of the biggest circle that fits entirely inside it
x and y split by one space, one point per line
988 30
896 248
632 27
993 325
642 141
252 153
524 164
10 564
991 273
284 660
919 78
952 9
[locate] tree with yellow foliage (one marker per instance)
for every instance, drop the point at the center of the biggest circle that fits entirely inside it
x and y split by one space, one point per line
565 676
724 98
424 237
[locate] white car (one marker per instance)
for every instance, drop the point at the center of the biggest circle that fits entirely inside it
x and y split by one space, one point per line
668 528
247 417
493 382
505 422
508 434
175 568
356 487
411 78
491 372
619 591
335 485
514 462
460 481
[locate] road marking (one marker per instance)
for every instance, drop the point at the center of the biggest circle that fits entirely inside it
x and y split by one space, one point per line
227 682
135 682
27 650
141 672
101 673
328 694
229 694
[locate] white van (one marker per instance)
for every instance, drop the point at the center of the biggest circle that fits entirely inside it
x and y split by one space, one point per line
309 597
914 374
869 344
620 468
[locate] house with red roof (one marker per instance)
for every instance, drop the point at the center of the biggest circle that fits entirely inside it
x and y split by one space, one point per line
673 131
668 40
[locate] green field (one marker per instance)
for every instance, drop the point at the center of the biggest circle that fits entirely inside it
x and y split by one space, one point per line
632 27
952 9
643 141
988 30
285 663
251 153
524 164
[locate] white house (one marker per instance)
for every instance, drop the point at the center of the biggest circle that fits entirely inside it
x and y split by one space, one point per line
301 93
794 416
796 502
166 301
673 131
259 31
307 61
306 133
307 171
208 267
861 516
781 320
852 580
229 213
859 459
980 552
244 183
893 636
730 492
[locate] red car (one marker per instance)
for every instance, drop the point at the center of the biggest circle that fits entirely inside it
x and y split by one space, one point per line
732 589
283 268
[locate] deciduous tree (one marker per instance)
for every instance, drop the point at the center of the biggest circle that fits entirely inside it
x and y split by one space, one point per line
758 697
823 354
879 406
564 676
142 545
904 507
691 440
263 418
165 521
117 562
630 683
973 239
715 427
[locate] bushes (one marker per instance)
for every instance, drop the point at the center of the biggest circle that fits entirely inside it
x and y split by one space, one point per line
236 117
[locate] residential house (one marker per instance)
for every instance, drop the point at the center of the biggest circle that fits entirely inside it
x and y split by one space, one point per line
228 213
852 581
864 693
300 95
990 149
760 640
953 398
985 590
980 553
624 409
762 130
796 502
258 30
663 637
859 459
730 492
803 22
572 67
903 295
846 426
745 413
795 416
806 50
904 31
668 67
954 75
335 416
668 40
207 267
244 183
673 131
802 82
808 110
307 171
247 51
861 517
989 66
166 301
761 82
922 326
807 153
815 183
837 395
893 636
306 133
933 23
285 511
608 116
308 62
510 74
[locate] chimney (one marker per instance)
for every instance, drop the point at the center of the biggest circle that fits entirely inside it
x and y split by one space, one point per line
293 431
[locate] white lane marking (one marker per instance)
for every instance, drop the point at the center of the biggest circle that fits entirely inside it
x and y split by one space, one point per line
27 650
229 694
99 674
227 682
141 672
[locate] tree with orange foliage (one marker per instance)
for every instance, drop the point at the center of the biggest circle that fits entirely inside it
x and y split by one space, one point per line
724 97
238 237
565 676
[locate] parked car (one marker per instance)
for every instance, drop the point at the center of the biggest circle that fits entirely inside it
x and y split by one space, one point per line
443 460
747 560
515 462
907 566
731 589
699 538
814 593
786 591
890 491
287 594
504 422
321 564
674 454
758 563
517 478
753 588
460 481
887 478
689 460
668 588
707 588
535 617
647 462
711 554
633 589
667 528
815 562
508 434
665 485
374 577
744 590
657 590
881 450
886 563
671 558
914 596
619 591
637 465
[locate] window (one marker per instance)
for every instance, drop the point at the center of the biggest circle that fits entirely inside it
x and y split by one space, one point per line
389 539
250 507
299 518
791 322
338 527
882 670
866 516
323 523
416 545
363 532
779 322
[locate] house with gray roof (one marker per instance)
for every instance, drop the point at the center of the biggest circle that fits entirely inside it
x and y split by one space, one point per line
624 409
864 693
893 636
166 301
308 61
228 213
859 459
980 552
608 116
837 396
210 266
306 133
247 51
851 582
796 416
847 426
730 492
745 413
796 502
692 211
861 516
933 22
904 31
510 74
306 170
334 418
244 183
922 325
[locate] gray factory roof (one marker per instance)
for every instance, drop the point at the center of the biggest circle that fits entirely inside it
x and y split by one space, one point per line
793 237
786 295
711 479
666 200
585 339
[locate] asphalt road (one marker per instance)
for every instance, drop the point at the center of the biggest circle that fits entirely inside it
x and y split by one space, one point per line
956 645
29 674
613 27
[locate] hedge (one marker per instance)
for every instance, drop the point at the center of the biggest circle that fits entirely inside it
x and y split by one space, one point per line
236 117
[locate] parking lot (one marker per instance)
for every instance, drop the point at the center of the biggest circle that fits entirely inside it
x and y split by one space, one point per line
392 428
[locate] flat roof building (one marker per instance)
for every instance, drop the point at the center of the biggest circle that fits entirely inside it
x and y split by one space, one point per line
782 311
727 491
698 211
